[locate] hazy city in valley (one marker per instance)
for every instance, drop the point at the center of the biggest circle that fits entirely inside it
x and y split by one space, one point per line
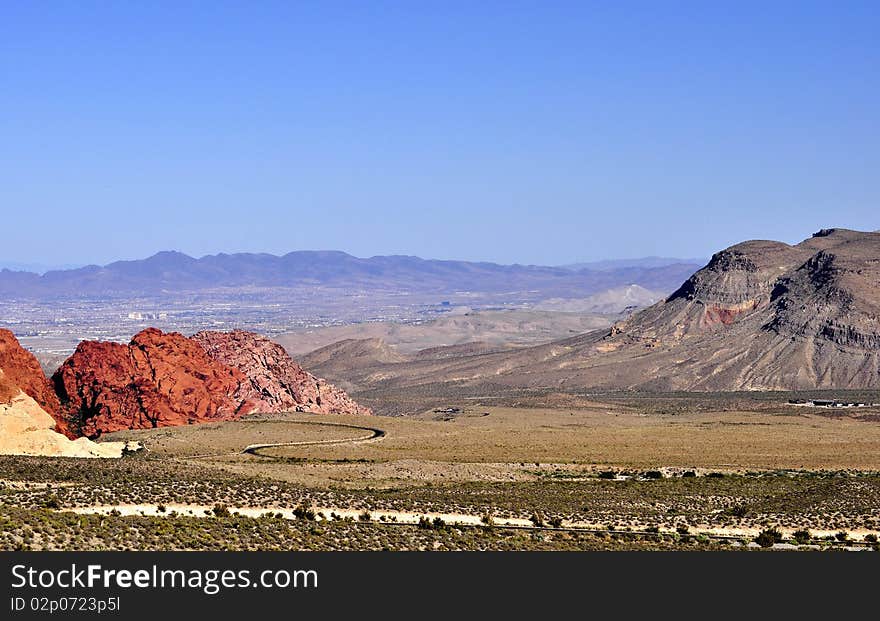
433 277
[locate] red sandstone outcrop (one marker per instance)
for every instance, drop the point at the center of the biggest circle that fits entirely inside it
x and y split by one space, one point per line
26 428
275 382
161 380
22 370
157 380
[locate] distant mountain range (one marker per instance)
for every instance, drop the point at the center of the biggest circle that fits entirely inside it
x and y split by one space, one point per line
39 268
174 272
613 264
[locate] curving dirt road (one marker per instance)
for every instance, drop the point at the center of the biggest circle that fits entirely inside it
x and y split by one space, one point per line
371 434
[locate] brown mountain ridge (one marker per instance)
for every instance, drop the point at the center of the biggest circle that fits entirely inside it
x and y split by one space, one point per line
761 315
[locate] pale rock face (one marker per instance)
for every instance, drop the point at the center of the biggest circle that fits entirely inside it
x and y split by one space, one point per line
275 383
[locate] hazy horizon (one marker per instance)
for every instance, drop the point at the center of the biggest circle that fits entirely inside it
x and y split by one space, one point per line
544 134
42 268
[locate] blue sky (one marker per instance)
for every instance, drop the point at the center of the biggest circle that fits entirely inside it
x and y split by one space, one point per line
532 132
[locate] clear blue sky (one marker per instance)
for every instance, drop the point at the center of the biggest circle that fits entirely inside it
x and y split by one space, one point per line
533 132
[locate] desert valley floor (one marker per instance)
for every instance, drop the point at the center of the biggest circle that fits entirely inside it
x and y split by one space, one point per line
598 471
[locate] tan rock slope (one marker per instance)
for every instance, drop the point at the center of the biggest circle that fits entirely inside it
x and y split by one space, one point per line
762 315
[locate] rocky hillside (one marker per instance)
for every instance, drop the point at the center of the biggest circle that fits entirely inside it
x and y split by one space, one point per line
761 315
23 371
157 380
26 428
164 379
275 383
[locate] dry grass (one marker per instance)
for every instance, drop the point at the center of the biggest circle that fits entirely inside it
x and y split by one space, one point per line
231 437
521 444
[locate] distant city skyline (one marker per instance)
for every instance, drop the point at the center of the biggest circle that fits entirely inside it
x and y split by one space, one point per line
511 132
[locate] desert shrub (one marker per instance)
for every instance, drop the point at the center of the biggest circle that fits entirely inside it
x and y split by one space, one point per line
683 529
802 536
689 474
556 522
716 475
304 512
842 536
536 520
739 511
52 502
221 511
487 519
607 474
653 474
871 538
767 537
365 516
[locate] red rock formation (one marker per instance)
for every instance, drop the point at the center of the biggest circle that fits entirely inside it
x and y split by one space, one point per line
8 390
275 382
21 369
161 380
157 380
